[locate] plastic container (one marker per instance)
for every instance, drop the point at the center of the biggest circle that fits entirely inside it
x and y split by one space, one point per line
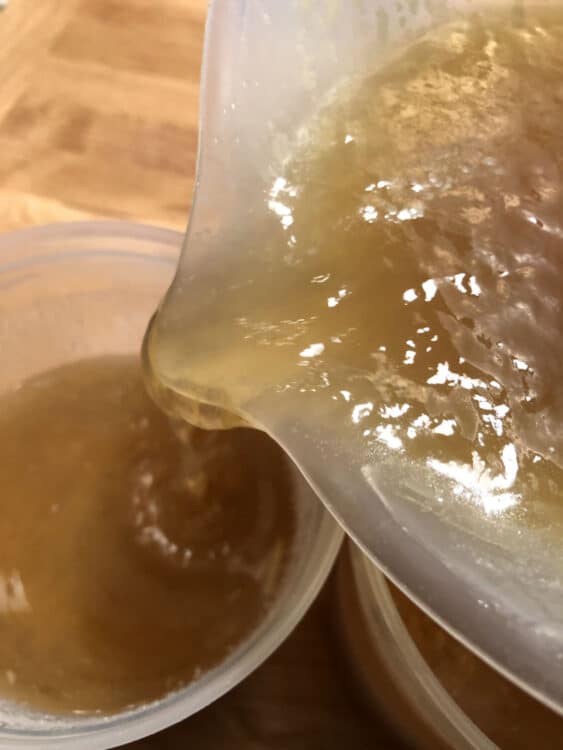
78 290
432 690
495 583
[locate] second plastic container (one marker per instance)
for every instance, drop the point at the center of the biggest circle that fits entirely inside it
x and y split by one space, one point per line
80 290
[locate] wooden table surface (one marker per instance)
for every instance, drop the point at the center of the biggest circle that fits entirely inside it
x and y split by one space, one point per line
98 109
98 118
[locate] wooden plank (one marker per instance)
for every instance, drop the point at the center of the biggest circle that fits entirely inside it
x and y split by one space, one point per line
150 38
99 109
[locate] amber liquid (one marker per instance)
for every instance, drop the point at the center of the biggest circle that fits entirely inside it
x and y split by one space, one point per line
403 300
507 716
134 554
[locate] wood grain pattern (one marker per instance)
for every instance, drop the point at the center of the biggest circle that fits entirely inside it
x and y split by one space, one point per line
98 109
98 118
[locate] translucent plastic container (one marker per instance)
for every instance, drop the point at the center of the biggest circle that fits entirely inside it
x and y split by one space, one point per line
268 65
79 290
432 690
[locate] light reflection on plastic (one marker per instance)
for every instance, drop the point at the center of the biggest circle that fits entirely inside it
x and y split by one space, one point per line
476 483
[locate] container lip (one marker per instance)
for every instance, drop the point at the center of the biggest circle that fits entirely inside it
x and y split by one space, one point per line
90 229
128 727
140 722
404 661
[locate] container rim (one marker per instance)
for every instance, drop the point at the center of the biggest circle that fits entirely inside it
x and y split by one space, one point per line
406 664
94 733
